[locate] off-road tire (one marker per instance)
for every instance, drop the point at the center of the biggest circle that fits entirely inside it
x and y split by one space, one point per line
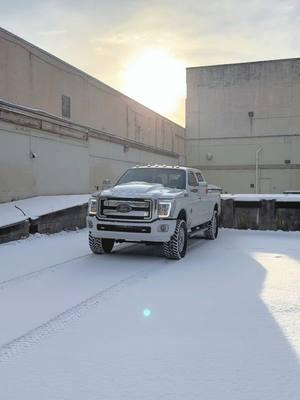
172 249
100 246
212 232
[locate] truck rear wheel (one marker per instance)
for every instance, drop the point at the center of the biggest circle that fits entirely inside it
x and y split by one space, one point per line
176 248
100 245
212 232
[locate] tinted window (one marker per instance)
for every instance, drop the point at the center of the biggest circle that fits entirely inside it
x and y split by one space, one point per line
199 177
169 177
192 179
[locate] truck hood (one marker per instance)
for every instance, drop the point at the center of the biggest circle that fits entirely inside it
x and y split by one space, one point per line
142 190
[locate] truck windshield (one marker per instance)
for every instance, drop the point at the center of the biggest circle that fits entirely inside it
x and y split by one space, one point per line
169 177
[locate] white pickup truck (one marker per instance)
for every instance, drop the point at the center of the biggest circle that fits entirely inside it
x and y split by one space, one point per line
154 204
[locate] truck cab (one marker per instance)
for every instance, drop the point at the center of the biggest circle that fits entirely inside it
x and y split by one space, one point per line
153 204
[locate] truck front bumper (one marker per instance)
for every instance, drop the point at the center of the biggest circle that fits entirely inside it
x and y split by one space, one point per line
159 230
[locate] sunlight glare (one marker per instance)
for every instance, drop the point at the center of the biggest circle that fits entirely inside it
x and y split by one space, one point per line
156 79
281 273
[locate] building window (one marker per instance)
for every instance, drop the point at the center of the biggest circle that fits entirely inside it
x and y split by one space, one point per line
66 106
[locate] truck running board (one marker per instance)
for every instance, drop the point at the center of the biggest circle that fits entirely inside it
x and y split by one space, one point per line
198 229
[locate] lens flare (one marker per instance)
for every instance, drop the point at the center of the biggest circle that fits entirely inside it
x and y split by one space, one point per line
147 312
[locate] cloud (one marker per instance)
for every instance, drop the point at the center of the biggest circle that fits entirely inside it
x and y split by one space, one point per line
202 33
55 32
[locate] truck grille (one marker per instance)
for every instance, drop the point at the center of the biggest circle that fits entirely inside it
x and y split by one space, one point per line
130 209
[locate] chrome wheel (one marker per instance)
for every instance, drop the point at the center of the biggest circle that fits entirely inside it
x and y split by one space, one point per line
176 247
214 225
212 232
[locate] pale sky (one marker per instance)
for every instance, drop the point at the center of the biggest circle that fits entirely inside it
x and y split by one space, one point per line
143 47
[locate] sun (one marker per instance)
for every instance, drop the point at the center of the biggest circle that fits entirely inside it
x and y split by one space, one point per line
156 79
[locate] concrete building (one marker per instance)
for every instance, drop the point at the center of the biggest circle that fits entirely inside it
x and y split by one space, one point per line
63 131
243 125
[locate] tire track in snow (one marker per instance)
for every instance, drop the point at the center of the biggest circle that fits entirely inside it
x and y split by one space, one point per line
61 320
31 275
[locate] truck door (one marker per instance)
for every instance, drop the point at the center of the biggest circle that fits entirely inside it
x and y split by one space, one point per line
195 204
205 198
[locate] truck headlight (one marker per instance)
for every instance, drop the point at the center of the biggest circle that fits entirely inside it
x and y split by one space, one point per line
164 209
92 209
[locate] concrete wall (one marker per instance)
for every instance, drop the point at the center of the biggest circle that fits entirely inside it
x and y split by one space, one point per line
232 111
219 99
34 78
106 133
69 158
261 215
232 163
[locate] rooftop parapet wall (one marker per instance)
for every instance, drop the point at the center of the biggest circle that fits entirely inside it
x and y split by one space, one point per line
261 212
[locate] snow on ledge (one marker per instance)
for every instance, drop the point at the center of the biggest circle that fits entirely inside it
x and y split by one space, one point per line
20 210
258 197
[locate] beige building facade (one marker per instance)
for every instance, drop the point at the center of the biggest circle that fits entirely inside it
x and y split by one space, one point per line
63 131
243 125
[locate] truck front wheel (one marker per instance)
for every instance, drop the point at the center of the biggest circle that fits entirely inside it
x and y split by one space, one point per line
100 245
176 248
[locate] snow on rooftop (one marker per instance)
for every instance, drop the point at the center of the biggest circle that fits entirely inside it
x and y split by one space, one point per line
258 197
20 210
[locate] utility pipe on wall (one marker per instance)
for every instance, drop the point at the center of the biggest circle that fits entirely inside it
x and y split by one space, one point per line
256 169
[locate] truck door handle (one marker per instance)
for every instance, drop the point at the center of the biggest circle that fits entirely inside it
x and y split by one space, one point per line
194 190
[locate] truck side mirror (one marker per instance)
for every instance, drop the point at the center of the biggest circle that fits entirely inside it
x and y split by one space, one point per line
106 184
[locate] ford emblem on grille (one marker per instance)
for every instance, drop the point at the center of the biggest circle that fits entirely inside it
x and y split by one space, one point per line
123 208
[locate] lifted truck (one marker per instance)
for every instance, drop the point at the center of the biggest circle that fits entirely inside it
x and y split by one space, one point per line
154 204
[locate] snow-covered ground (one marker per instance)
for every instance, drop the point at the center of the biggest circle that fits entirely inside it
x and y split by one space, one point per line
20 210
223 323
